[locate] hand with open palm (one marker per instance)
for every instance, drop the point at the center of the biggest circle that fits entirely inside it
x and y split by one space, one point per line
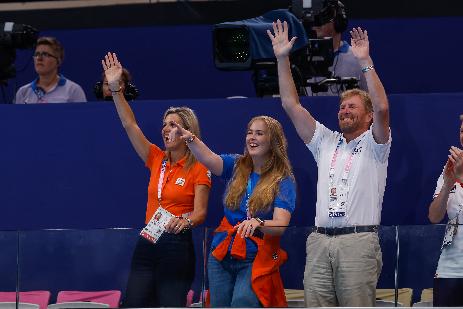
360 45
281 45
112 70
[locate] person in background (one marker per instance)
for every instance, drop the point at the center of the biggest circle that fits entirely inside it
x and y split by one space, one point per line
448 200
102 92
332 21
162 271
50 86
243 266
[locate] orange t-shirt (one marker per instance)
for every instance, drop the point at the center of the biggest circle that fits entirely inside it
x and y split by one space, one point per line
178 188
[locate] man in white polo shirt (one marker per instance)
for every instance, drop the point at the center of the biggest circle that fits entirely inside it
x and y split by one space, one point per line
343 253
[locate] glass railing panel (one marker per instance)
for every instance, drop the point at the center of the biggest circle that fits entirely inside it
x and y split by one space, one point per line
75 260
8 266
418 257
293 241
85 260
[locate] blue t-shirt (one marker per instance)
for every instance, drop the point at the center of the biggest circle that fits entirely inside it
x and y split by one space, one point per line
286 199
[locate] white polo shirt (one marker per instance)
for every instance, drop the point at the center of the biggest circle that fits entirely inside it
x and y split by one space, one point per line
451 259
366 179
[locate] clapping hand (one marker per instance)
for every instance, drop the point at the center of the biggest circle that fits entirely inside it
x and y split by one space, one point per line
280 43
456 158
112 70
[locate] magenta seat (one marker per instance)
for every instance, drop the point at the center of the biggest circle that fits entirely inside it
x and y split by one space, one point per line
40 298
112 298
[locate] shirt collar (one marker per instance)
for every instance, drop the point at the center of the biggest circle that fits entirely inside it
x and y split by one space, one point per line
180 162
355 140
61 82
343 48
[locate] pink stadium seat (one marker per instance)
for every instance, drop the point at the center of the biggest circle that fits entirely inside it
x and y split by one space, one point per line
189 298
40 298
112 298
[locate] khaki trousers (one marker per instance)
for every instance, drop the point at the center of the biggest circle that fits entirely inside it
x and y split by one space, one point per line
342 270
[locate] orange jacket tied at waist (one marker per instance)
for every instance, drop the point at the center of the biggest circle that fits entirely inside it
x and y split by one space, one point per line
265 280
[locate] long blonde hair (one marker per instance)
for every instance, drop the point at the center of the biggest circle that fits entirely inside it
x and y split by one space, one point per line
274 170
189 122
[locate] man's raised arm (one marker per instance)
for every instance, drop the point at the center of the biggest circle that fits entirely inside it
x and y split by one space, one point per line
301 118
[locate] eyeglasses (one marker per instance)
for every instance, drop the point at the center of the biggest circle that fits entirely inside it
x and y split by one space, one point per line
43 55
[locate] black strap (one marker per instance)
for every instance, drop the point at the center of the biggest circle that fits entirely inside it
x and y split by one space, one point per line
333 231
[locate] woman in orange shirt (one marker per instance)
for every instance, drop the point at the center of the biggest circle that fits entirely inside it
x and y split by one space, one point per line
162 272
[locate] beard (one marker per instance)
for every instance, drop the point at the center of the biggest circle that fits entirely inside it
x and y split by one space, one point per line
350 126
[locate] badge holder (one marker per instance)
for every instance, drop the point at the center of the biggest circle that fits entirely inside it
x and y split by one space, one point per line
157 225
451 230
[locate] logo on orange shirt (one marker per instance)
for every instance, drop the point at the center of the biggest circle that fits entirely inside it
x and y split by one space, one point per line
180 181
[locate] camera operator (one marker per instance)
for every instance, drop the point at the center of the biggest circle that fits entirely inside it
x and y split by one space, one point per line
331 21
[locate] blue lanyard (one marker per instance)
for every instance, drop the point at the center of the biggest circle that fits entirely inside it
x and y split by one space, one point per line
248 195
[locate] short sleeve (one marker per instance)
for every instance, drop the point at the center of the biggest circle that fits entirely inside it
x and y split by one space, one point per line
229 161
20 98
319 135
286 197
154 152
381 151
78 95
203 175
440 183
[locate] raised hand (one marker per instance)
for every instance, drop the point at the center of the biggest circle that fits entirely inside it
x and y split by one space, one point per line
112 70
179 131
360 44
280 43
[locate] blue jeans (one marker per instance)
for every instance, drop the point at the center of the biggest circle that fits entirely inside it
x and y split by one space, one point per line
230 282
161 274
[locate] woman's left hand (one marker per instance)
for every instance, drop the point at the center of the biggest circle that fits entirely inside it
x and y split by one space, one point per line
176 225
178 130
247 227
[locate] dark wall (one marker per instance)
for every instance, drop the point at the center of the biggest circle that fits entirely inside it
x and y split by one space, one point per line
211 12
411 55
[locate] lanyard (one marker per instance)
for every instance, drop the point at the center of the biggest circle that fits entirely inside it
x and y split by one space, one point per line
248 195
161 179
348 165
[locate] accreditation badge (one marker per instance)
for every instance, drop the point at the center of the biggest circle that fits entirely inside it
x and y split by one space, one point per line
157 225
338 201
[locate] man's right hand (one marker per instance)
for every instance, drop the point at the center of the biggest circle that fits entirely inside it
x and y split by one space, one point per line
281 45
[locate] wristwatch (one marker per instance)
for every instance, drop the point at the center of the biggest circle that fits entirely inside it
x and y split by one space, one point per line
190 222
261 222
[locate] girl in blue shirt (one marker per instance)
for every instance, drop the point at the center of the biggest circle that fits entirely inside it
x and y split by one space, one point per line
258 203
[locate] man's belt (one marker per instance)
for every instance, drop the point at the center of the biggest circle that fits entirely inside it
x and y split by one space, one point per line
333 231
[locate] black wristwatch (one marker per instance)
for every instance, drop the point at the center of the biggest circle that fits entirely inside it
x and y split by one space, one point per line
261 222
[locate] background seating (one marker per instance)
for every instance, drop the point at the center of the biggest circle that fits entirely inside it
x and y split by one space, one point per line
41 298
110 298
13 305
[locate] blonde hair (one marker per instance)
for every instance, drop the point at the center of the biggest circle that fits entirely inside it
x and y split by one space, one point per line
364 96
274 170
189 122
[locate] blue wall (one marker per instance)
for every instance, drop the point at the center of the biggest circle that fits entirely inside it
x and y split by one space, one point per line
63 158
413 56
72 166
